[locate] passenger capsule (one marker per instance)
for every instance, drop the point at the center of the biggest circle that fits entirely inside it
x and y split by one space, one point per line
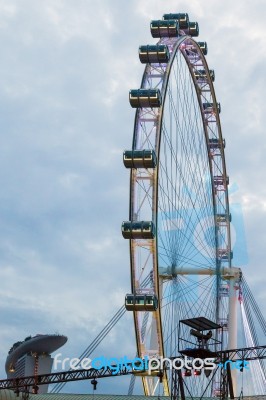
209 108
138 230
223 218
203 47
193 29
182 19
141 302
145 98
201 75
139 159
219 180
216 143
163 28
157 53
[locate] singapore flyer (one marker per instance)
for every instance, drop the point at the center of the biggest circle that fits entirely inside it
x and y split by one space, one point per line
179 219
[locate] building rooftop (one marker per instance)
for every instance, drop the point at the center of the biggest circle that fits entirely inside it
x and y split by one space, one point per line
37 344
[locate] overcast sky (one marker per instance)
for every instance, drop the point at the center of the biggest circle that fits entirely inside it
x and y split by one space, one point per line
65 70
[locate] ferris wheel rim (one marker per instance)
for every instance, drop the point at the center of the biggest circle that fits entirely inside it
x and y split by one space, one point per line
180 40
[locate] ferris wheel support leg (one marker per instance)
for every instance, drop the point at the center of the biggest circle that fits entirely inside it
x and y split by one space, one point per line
232 324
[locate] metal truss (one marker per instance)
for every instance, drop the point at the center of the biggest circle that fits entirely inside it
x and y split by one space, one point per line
248 354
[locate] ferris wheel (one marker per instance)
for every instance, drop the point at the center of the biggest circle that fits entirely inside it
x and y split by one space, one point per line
179 220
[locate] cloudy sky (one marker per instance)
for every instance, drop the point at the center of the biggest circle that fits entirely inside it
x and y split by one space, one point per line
65 70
